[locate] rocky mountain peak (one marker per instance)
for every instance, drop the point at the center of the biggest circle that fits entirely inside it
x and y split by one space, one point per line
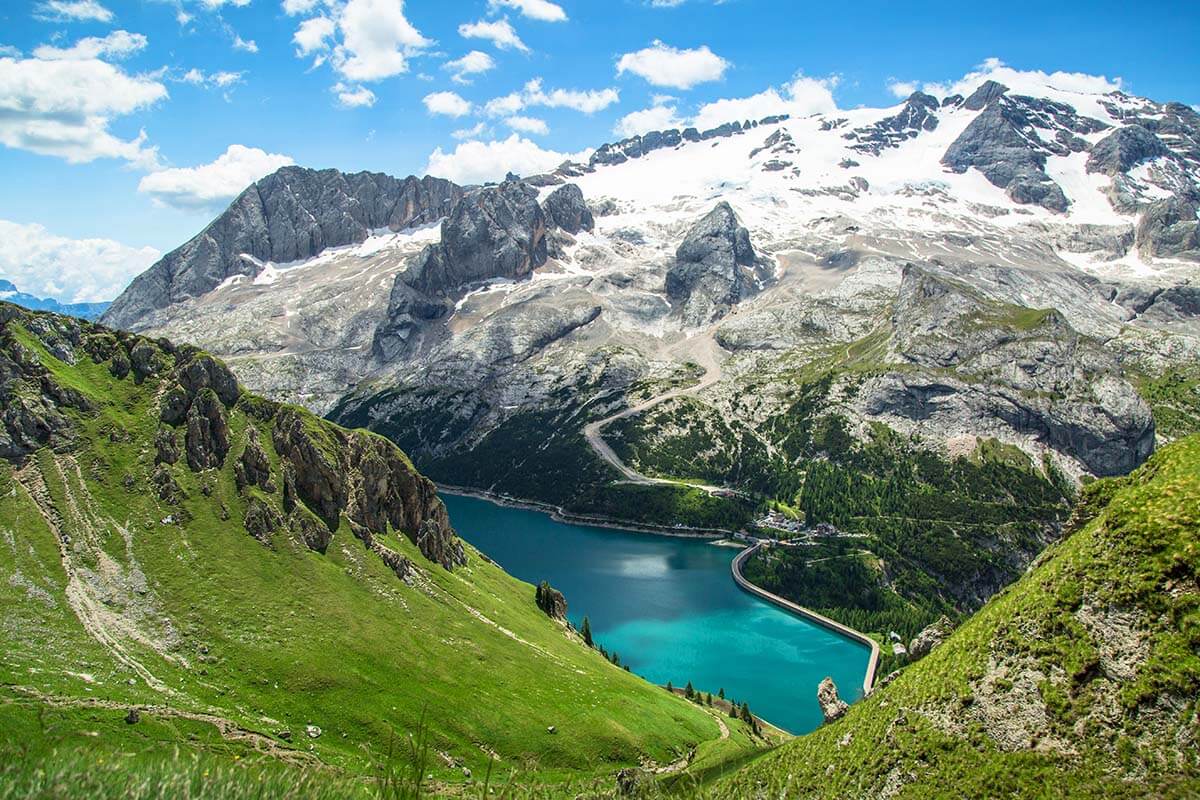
715 267
292 214
984 95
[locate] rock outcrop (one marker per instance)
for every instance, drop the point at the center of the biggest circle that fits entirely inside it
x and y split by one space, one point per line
1170 228
566 209
918 114
551 601
495 232
1124 149
833 707
292 214
974 362
929 638
715 268
1005 142
982 97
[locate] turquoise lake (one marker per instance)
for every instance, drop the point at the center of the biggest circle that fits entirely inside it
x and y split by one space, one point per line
671 610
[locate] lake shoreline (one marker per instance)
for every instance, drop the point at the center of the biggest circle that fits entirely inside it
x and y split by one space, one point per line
559 514
820 619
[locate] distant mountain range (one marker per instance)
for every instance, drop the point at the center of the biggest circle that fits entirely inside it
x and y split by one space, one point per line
89 311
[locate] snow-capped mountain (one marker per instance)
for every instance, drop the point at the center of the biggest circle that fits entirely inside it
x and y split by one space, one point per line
911 250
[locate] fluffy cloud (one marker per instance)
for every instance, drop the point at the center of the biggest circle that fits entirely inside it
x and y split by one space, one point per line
1027 81
475 62
534 9
447 104
364 40
656 118
298 7
116 45
72 11
245 45
663 65
313 35
377 40
69 270
901 89
477 162
211 186
214 80
499 32
534 94
474 132
800 98
64 107
353 96
528 125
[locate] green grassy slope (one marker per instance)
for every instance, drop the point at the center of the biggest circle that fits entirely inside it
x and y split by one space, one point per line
1080 680
225 642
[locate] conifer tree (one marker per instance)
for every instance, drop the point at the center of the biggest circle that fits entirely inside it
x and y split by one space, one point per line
586 631
689 692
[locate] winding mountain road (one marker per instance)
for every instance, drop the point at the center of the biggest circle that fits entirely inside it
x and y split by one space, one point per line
704 351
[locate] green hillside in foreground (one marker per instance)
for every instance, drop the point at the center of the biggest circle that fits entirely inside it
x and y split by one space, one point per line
194 579
1079 680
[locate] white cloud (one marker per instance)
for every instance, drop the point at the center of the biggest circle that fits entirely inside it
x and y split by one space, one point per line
1030 81
528 125
377 40
447 104
534 94
245 45
505 106
298 7
69 270
500 33
313 35
63 108
477 162
800 98
72 11
656 118
353 96
475 62
901 89
218 80
211 186
663 65
116 45
542 10
473 132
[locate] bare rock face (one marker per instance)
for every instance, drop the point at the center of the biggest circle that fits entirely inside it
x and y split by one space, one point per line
1170 229
975 362
565 209
984 95
1124 149
292 214
930 638
206 441
332 473
254 467
1004 143
551 601
833 707
715 268
495 232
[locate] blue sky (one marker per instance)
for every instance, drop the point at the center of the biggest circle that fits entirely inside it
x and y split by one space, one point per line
124 126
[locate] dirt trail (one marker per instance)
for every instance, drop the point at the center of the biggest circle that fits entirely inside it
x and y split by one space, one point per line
100 622
230 730
704 350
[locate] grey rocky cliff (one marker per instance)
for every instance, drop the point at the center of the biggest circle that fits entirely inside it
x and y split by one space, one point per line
972 360
495 232
918 114
930 637
292 214
1006 144
1170 228
715 268
833 707
566 209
